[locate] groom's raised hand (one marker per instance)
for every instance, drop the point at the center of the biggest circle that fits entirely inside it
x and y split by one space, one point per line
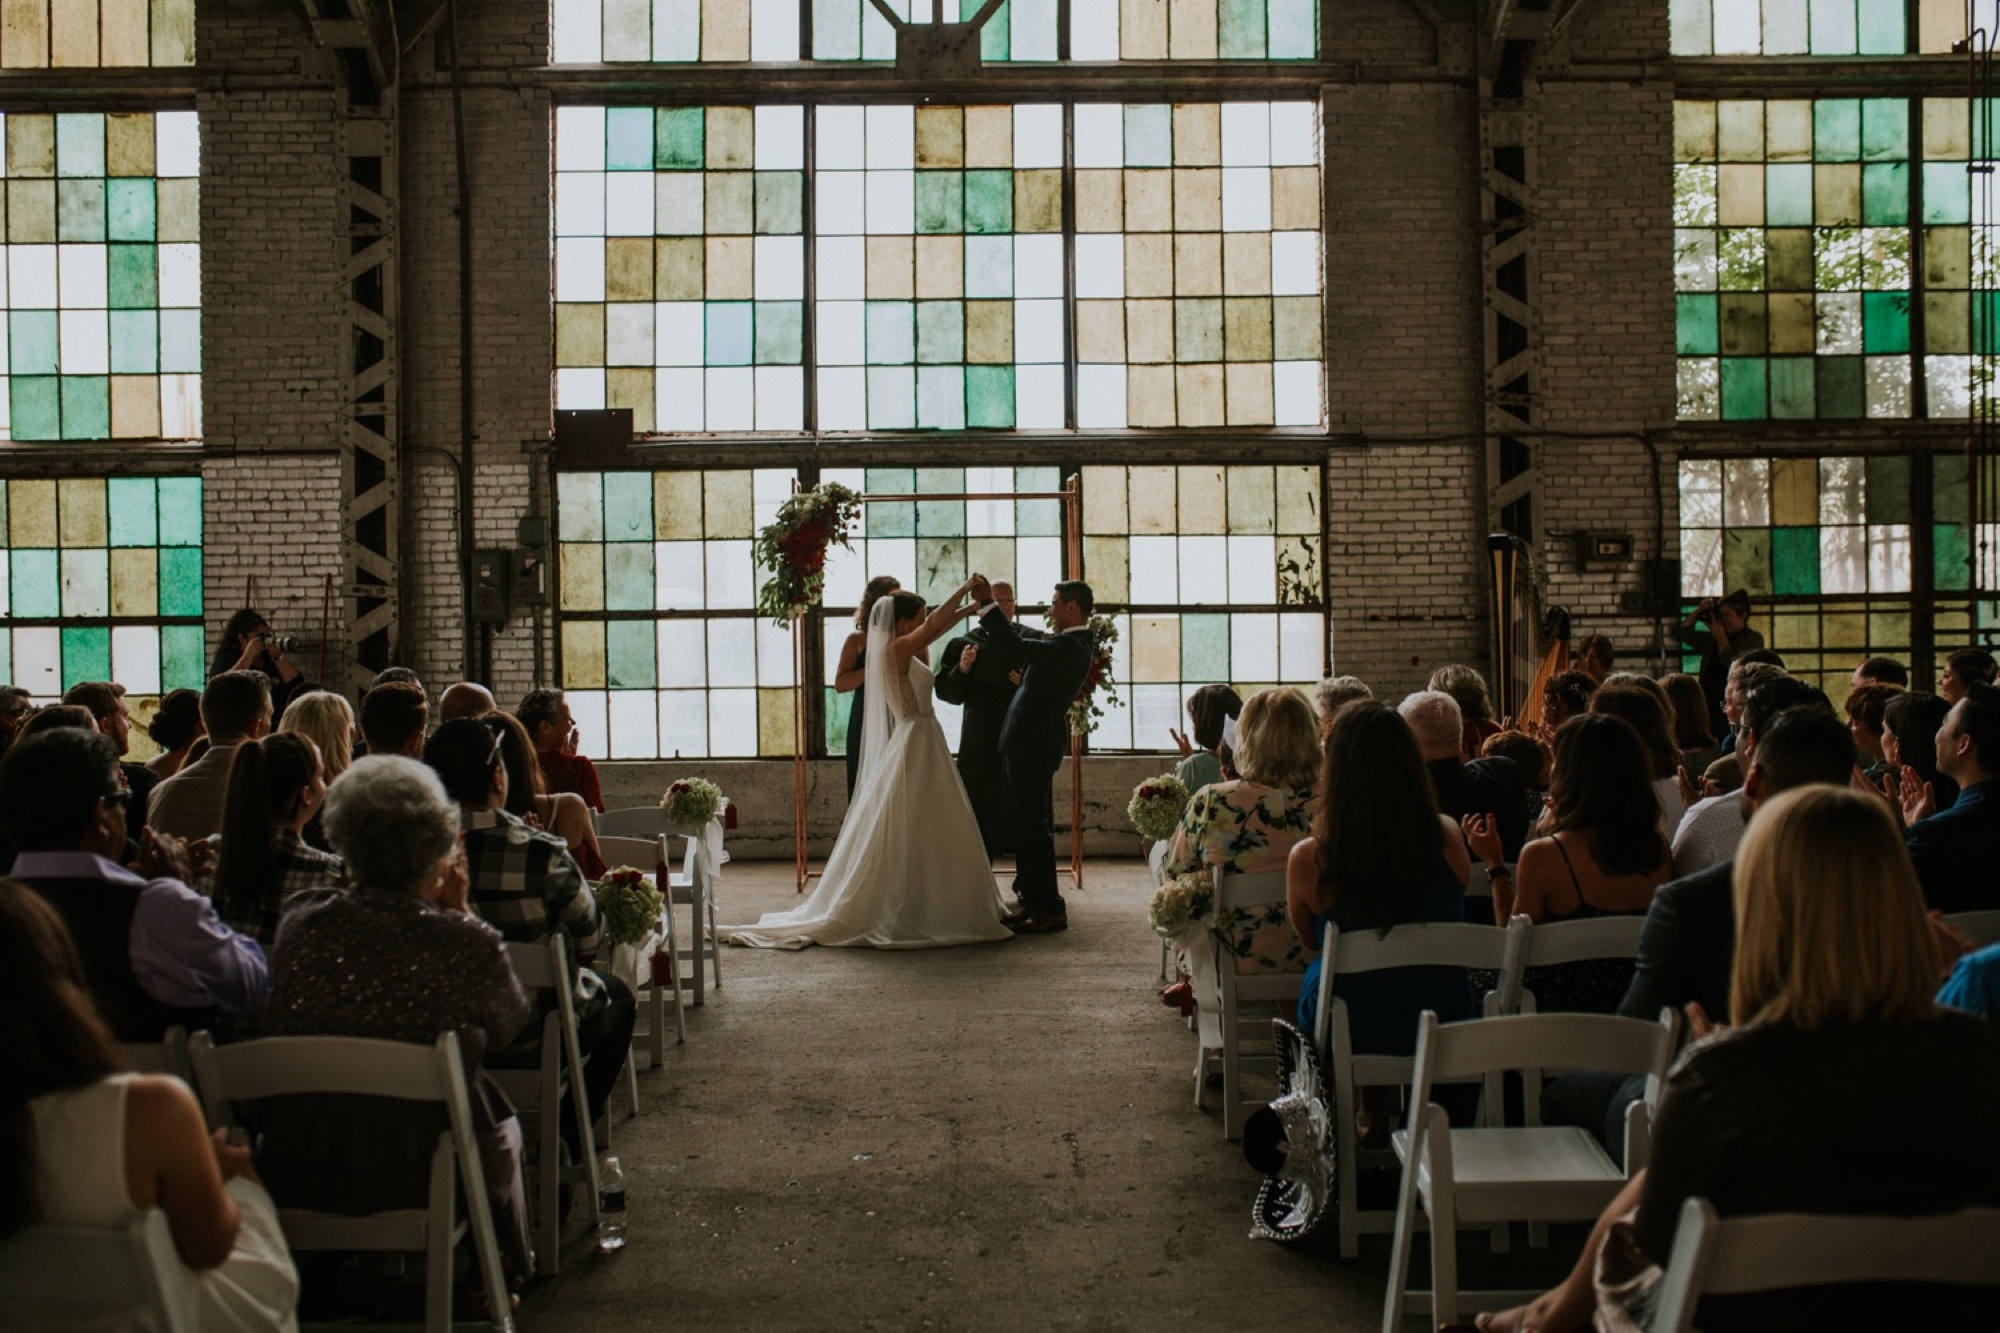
982 591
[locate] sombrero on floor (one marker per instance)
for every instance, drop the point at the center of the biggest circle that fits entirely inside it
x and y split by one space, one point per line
1292 1142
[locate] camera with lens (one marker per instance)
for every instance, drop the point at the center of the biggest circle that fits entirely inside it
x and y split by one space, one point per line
282 643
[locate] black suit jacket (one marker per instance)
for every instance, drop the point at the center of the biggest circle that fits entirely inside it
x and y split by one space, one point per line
1957 851
986 686
1687 948
1036 727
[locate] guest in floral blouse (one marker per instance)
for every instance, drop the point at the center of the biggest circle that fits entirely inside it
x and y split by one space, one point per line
1249 825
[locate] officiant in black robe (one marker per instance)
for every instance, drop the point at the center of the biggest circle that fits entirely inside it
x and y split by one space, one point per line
984 693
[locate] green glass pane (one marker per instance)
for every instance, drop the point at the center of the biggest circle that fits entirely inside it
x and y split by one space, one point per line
628 576
131 210
135 511
1885 194
780 332
995 39
1240 29
780 208
32 343
729 333
1788 194
1986 322
1743 395
181 661
1885 322
1947 193
628 507
940 332
1881 30
989 397
1948 502
1951 548
1694 325
1889 488
180 581
1795 561
989 202
34 583
1836 130
135 342
86 407
1744 331
180 511
1885 125
834 710
677 138
941 567
940 201
80 211
32 403
891 519
1792 395
86 653
1205 649
1746 559
940 518
628 655
134 277
6 655
1840 387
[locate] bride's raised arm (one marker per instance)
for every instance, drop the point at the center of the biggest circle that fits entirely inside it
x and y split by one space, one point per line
946 614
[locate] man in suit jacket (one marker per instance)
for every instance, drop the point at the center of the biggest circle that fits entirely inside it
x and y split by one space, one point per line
106 702
978 683
235 707
1957 851
1034 737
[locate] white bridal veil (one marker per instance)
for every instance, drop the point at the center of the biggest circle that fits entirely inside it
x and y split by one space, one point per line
876 720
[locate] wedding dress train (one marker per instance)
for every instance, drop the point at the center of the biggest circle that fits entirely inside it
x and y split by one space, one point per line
909 870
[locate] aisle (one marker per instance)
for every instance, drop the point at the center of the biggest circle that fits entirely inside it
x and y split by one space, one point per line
993 1137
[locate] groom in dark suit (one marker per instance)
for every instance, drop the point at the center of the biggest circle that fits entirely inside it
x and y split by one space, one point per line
977 681
1034 737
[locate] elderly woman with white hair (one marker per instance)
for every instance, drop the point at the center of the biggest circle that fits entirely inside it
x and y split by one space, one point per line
397 957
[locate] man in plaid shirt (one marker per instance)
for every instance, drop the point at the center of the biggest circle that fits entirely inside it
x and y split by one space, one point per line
525 883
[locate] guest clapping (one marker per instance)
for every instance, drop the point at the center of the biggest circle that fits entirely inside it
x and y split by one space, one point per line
1208 708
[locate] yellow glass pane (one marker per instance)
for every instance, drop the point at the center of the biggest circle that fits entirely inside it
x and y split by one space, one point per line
1198 199
1106 563
1694 131
677 506
583 655
31 145
1149 264
1947 256
1295 197
1198 395
1201 499
1253 508
989 332
891 268
1247 394
991 556
730 203
31 514
731 136
1104 500
1197 128
631 386
1947 129
775 736
1149 200
1100 200
628 268
1947 322
677 268
1739 198
1847 629
1246 263
1298 490
1149 395
135 407
1837 194
940 136
940 268
730 268
173 32
124 33
128 144
1197 265
1153 499
1792 630
25 44
135 581
1940 25
1149 331
1156 650
1037 201
989 136
1142 30
1788 131
1297 327
31 211
1791 323
73 33
582 586
725 30
1246 328
727 504
179 208
1100 332
579 335
1795 492
1739 130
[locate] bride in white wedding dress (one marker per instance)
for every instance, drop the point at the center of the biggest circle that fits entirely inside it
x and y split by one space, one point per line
909 870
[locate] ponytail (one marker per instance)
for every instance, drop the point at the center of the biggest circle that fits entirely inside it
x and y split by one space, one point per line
265 779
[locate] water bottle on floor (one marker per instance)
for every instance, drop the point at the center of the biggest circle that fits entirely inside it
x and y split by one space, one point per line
610 1207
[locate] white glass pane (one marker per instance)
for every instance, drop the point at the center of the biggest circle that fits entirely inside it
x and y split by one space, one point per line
780 398
677 576
135 658
1253 648
1253 575
1038 266
839 136
1842 560
676 398
634 725
1037 568
1889 557
732 722
1155 570
683 724
1100 265
774 653
1156 711
628 203
579 268
732 652
1301 647
38 662
579 130
1038 397
1204 570
592 727
682 653
1100 397
176 144
577 32
731 575
781 138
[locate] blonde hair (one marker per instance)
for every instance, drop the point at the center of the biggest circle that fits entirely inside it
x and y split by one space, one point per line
327 720
1277 740
1830 922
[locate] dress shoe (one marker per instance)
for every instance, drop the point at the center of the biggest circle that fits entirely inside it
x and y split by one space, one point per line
1015 917
1042 925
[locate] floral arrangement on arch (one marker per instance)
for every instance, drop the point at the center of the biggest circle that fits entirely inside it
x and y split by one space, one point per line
691 802
793 548
1084 710
1156 807
1182 903
628 904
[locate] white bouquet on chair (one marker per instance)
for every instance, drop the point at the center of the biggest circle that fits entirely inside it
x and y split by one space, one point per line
630 908
1183 904
691 802
1156 807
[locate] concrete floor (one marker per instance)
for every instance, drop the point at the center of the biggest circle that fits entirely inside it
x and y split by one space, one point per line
993 1137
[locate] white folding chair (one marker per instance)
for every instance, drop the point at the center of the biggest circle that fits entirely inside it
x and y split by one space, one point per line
1490 1175
167 1056
1983 927
538 1093
1780 1251
1238 992
1556 942
687 886
633 821
286 1066
72 1276
1438 944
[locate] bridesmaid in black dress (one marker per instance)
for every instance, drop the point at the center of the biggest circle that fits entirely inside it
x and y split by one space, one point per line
853 668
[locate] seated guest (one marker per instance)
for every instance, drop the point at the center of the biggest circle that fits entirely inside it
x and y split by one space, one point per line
1468 689
1688 944
1645 711
1595 657
235 707
1833 986
1745 675
1249 824
327 720
1334 692
15 705
1967 666
464 699
1865 707
1567 695
106 702
393 717
275 789
397 957
1691 730
56 716
563 814
1483 787
175 727
1380 856
1713 826
1207 709
1604 856
552 727
1974 984
84 1143
1910 725
1723 776
1957 851
1881 671
1532 756
154 951
526 884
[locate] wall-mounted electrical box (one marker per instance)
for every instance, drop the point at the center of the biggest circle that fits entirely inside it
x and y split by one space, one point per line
529 577
490 576
1606 548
